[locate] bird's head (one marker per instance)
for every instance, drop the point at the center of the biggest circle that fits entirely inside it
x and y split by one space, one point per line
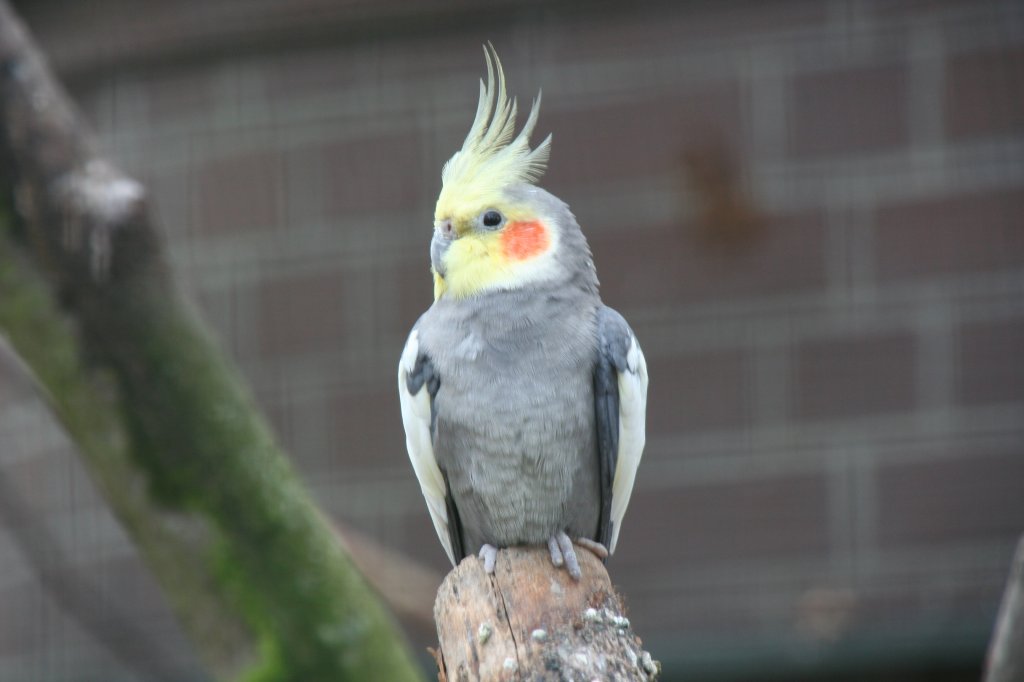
493 229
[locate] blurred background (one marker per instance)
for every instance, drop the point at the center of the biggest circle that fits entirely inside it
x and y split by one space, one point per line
812 213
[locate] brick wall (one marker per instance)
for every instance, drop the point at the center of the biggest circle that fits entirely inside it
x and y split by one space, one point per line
809 211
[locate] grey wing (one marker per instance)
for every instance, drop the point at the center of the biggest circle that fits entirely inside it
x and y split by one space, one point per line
418 383
620 404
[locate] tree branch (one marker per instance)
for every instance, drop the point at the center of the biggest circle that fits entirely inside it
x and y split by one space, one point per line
1006 652
531 621
165 426
73 592
402 581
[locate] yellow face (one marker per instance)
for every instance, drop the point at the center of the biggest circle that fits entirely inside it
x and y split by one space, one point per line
494 247
484 240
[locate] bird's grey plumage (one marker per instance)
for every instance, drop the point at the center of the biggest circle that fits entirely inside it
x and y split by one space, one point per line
614 337
514 434
525 410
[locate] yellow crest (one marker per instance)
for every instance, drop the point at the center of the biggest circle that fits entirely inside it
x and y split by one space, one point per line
490 159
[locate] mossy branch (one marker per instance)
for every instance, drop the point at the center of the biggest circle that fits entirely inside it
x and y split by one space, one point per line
164 423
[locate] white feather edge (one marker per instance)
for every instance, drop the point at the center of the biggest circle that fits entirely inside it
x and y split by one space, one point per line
416 420
632 433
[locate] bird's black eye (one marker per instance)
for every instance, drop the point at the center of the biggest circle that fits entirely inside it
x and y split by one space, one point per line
492 219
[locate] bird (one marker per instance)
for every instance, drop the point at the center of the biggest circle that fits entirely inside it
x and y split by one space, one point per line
523 397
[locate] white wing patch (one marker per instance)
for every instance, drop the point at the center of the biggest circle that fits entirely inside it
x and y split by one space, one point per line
416 419
632 433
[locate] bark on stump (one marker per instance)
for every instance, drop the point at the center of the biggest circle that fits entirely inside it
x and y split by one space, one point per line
532 621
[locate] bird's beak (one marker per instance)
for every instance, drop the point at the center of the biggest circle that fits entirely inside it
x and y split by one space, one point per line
446 230
444 235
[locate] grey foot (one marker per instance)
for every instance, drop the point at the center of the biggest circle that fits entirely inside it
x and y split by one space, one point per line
489 554
563 554
595 547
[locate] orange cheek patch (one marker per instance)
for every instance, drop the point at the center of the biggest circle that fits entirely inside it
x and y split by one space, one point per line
524 239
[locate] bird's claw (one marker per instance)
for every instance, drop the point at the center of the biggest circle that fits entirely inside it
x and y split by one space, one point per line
562 554
561 550
556 553
489 555
595 547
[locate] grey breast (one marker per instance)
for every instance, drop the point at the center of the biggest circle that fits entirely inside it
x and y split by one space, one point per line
515 414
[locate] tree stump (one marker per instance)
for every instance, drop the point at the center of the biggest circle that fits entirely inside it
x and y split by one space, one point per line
532 621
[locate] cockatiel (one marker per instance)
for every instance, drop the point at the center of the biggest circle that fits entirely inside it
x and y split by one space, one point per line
523 396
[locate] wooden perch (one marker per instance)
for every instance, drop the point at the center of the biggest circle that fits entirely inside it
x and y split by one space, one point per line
1006 651
532 621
